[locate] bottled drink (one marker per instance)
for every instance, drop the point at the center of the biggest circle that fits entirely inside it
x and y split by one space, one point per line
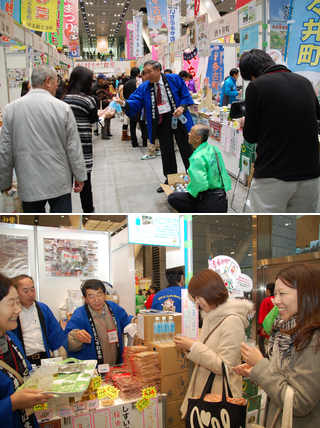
183 119
174 123
119 111
172 329
164 330
157 331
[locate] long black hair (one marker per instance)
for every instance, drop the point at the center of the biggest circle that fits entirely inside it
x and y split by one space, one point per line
80 81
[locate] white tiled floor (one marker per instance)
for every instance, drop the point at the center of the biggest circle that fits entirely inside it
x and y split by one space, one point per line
123 183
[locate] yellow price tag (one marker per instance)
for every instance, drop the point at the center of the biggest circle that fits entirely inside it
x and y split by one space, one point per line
95 383
150 392
111 391
40 407
101 392
142 404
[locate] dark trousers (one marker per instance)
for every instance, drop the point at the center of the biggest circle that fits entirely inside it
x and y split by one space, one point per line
60 204
86 196
261 345
133 132
165 135
105 129
204 203
183 202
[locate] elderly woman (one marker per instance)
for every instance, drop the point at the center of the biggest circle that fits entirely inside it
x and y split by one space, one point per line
294 345
14 365
224 321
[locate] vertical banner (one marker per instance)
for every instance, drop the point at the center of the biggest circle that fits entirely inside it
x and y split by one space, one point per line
137 33
173 19
70 21
215 70
157 22
190 11
191 66
196 8
56 38
304 48
130 31
12 7
202 35
39 15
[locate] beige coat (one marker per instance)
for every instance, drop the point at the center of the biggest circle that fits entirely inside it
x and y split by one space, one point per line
223 345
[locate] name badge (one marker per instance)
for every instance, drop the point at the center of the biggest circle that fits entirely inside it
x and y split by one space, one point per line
113 336
162 108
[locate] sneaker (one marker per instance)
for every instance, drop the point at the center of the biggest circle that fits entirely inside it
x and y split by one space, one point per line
158 153
147 157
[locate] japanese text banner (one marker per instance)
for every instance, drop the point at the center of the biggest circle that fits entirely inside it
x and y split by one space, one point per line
130 32
56 38
12 7
70 21
39 15
137 34
215 70
173 20
157 22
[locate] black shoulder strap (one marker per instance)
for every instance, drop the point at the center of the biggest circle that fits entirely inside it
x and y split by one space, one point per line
119 332
42 322
20 334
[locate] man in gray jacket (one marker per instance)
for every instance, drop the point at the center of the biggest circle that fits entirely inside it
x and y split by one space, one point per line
39 138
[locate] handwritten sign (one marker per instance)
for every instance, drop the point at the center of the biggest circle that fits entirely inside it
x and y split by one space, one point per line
95 383
93 404
190 316
64 412
39 407
150 392
107 391
142 404
44 415
103 368
151 415
79 407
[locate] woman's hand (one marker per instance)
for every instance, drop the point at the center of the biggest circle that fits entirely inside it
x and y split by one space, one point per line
243 370
250 355
26 398
183 342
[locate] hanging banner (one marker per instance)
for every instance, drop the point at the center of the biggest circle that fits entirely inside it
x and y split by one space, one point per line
187 56
190 11
130 32
56 38
304 48
279 10
215 70
102 44
241 3
39 15
137 33
157 22
192 66
12 7
196 7
173 19
202 35
225 26
70 21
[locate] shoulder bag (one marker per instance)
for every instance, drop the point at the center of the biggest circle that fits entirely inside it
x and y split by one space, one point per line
213 200
201 413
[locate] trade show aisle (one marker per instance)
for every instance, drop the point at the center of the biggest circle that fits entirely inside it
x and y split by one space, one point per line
124 183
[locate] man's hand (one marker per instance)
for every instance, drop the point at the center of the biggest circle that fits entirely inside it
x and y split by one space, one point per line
26 398
118 100
178 112
83 336
78 186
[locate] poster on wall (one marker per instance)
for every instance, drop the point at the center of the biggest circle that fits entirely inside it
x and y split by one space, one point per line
279 10
157 22
16 76
70 258
278 37
202 35
14 258
249 38
304 47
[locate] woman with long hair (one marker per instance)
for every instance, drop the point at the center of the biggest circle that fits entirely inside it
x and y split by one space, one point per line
14 365
293 353
78 96
224 322
25 87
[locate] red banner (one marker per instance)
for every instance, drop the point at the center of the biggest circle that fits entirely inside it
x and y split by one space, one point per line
241 3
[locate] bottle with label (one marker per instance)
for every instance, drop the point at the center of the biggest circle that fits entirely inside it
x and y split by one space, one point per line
119 111
172 329
174 123
164 330
183 119
157 331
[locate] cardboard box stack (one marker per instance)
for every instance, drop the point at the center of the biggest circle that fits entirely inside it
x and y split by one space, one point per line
250 393
173 366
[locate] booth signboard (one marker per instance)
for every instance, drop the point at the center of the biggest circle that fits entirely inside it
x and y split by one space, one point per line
38 43
202 35
156 229
12 8
181 44
6 25
215 69
226 25
250 14
39 16
95 65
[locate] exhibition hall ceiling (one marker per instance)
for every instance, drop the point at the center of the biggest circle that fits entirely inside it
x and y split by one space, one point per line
109 17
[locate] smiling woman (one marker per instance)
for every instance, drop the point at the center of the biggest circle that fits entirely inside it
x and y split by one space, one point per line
14 365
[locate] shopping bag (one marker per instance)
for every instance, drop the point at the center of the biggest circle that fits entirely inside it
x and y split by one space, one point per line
7 202
269 320
221 414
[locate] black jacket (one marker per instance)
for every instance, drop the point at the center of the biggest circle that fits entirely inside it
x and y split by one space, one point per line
281 117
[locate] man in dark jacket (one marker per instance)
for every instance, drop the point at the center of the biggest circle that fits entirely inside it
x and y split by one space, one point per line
128 89
281 117
95 87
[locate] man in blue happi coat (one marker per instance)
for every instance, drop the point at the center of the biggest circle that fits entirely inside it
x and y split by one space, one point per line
163 97
95 329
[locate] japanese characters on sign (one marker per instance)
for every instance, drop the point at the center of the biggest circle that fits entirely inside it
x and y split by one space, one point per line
215 70
12 8
56 38
226 25
173 20
6 24
94 65
190 316
202 35
130 37
70 21
39 15
157 22
137 34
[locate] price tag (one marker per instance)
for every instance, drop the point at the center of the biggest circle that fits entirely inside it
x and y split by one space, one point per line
142 404
40 407
80 407
103 368
112 392
95 383
44 415
65 411
101 392
150 392
93 404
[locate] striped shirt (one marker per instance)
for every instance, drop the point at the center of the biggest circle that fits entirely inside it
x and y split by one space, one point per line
85 112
